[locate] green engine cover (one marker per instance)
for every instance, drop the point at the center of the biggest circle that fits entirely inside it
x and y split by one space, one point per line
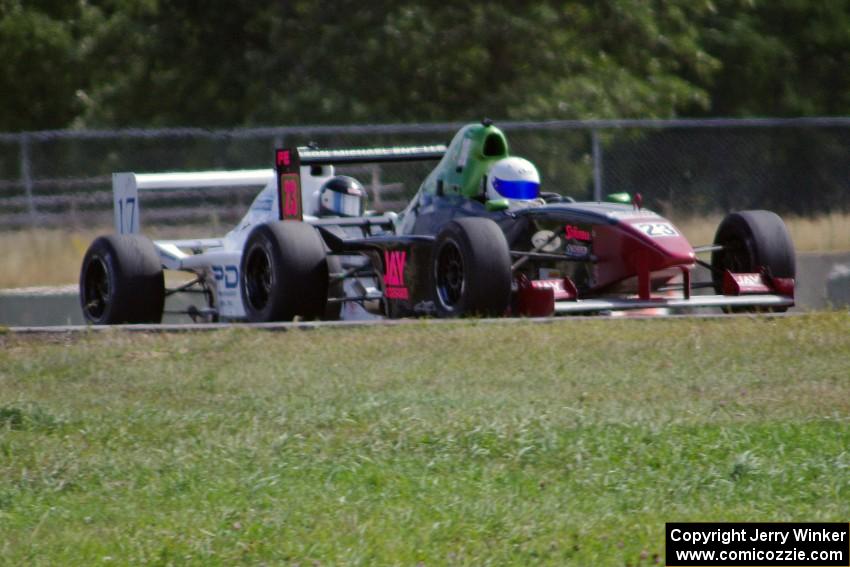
470 154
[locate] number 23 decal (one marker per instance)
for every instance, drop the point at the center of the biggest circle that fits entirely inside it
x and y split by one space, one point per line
657 229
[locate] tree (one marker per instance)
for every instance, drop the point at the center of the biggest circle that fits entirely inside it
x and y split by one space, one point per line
229 63
40 63
779 58
226 63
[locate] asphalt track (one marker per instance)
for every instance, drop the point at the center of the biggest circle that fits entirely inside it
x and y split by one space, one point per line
312 325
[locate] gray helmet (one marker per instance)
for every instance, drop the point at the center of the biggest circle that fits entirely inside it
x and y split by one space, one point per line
342 196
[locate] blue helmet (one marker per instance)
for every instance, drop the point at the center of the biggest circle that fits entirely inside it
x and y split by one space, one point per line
513 178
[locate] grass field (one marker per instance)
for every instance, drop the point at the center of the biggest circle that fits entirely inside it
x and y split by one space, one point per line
53 257
423 444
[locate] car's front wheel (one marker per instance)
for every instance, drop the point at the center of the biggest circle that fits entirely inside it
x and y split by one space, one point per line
471 269
752 240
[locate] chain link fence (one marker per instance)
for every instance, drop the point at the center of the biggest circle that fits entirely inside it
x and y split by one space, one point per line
681 167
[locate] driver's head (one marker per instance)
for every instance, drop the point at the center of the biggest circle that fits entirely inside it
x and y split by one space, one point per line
513 178
342 196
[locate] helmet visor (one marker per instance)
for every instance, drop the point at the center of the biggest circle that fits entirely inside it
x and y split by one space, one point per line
345 204
516 189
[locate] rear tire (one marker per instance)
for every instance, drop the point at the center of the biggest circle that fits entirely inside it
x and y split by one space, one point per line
471 269
752 240
284 273
121 281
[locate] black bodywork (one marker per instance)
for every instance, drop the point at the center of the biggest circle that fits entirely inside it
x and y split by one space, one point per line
572 258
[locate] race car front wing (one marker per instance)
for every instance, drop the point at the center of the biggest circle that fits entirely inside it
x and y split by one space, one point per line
740 290
699 301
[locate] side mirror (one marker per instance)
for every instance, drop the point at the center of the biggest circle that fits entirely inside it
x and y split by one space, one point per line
496 205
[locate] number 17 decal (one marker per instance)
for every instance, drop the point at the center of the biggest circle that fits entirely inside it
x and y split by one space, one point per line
124 211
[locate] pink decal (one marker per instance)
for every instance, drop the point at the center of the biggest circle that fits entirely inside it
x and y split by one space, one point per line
283 158
748 279
290 190
397 293
574 232
741 283
556 285
395 261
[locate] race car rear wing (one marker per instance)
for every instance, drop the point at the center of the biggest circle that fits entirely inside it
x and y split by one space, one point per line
290 161
311 156
127 185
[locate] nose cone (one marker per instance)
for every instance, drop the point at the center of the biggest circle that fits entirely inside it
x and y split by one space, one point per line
660 236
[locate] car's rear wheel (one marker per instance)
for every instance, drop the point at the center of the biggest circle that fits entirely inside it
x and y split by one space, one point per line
752 240
121 281
284 273
471 269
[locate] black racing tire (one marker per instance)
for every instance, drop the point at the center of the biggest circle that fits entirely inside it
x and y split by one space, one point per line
284 273
752 240
121 281
471 269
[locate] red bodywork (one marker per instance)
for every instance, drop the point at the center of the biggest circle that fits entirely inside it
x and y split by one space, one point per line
634 254
639 254
761 282
536 298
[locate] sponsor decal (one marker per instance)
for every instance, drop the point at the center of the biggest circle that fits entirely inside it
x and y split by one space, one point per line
546 241
561 288
395 260
575 233
550 274
397 293
557 285
748 279
738 283
227 275
374 152
622 215
290 197
577 251
656 229
284 158
288 185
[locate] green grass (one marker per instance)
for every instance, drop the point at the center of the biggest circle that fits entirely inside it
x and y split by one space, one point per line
468 444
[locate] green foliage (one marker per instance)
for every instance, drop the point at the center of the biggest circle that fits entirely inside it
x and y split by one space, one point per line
114 63
39 64
305 62
780 58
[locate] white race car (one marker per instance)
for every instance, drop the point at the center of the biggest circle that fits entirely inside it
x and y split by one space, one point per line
240 276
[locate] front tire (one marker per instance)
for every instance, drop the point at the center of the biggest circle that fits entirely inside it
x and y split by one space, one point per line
752 240
284 273
121 281
471 269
